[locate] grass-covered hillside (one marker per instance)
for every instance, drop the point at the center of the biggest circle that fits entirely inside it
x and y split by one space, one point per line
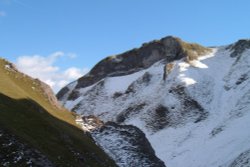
30 115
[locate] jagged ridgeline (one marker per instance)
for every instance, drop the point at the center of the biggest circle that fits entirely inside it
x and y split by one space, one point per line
35 130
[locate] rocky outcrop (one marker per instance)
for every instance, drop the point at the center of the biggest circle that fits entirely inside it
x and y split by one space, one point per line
127 145
62 92
239 47
243 160
48 93
89 123
167 49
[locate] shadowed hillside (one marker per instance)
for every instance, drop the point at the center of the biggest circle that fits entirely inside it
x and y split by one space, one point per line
35 130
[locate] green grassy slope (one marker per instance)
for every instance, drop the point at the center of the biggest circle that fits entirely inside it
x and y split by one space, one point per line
26 112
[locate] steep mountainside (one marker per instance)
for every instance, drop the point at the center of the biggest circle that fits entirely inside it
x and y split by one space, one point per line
35 130
169 49
191 102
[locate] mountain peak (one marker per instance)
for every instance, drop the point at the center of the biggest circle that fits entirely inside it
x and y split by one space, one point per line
184 97
166 49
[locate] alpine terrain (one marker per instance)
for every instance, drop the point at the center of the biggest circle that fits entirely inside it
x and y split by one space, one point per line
167 103
36 131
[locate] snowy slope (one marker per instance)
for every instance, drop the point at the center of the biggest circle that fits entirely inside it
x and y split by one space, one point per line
127 145
198 117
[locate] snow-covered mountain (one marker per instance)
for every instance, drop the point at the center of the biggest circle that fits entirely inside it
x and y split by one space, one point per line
191 102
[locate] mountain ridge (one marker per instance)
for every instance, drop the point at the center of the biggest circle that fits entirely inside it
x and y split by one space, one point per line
35 130
168 48
186 107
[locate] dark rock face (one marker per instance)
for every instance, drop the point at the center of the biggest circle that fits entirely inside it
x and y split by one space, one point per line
242 78
162 116
73 95
168 48
143 81
243 160
239 47
62 92
129 112
216 131
127 145
15 153
189 104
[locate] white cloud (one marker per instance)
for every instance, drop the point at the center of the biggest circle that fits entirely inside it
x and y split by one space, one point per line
74 72
44 68
2 13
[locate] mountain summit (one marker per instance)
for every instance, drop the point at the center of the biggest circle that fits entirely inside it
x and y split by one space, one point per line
191 104
168 49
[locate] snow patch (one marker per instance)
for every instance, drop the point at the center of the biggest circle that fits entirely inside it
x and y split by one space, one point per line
121 83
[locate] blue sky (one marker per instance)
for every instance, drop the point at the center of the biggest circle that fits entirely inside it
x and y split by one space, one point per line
85 31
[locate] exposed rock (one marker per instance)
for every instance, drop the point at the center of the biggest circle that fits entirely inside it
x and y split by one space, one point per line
10 66
239 47
217 130
160 118
132 110
89 123
117 94
127 145
73 95
62 92
191 108
168 48
167 69
243 160
191 112
49 94
142 81
242 78
188 110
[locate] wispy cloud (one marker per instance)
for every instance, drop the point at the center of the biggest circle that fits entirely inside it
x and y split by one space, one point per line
44 68
2 13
